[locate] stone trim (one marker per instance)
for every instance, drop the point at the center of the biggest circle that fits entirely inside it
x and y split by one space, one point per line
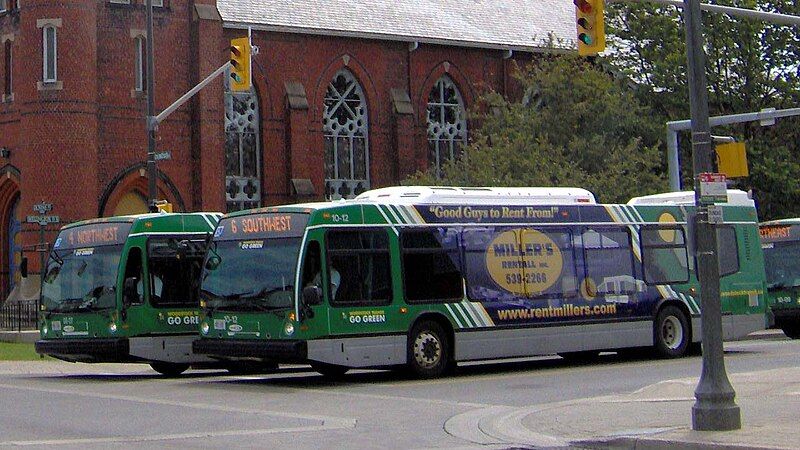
50 86
296 94
138 33
41 23
207 12
402 102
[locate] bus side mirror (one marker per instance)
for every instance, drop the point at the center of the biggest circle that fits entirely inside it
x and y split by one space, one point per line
23 267
213 262
129 291
312 295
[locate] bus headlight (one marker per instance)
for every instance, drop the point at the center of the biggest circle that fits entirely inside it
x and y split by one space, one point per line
204 327
44 328
288 328
112 327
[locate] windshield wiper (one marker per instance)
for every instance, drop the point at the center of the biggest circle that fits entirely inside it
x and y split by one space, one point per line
776 286
56 257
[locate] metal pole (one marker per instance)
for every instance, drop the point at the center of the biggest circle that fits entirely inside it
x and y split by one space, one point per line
715 408
152 173
786 19
673 162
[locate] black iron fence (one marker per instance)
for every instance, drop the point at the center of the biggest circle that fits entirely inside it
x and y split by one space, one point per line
19 316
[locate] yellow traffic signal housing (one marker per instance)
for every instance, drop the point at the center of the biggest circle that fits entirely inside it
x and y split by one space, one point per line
732 159
164 206
240 64
591 28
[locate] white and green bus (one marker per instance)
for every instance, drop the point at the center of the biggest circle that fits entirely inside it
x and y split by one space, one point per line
780 240
425 277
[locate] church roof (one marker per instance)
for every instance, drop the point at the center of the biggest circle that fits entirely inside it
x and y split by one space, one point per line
503 24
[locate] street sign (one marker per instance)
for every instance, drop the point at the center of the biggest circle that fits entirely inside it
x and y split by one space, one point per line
713 188
42 207
43 220
715 214
162 156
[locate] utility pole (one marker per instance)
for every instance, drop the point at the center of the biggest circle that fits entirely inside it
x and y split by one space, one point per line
715 408
152 173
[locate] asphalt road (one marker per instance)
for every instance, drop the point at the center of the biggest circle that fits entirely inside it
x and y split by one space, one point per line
102 406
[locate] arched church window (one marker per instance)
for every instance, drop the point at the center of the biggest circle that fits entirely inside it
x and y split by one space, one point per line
447 123
242 150
346 128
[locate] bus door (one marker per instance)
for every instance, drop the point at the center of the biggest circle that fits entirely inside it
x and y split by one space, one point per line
161 294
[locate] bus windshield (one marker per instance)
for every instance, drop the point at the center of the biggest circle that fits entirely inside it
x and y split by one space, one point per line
782 263
250 275
81 279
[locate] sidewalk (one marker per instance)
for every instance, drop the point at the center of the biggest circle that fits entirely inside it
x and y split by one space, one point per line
656 417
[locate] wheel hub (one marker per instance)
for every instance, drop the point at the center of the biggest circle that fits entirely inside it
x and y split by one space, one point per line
427 350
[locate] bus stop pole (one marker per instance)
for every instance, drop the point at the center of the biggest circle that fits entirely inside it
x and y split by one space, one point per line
715 409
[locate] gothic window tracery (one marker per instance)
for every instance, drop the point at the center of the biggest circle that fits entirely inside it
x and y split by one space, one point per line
345 130
447 123
242 150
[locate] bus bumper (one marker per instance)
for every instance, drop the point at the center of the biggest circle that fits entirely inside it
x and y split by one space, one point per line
289 351
85 350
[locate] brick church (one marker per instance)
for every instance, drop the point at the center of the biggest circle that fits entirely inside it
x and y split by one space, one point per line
347 96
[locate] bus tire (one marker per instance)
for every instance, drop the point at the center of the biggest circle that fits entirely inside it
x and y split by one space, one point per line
332 371
428 350
169 369
791 330
672 334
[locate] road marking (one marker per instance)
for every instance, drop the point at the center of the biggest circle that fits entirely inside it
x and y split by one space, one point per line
328 422
167 437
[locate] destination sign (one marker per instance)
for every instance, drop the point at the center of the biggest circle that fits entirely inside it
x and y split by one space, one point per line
776 232
92 235
261 226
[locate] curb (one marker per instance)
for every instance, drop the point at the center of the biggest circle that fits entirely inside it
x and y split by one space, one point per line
640 443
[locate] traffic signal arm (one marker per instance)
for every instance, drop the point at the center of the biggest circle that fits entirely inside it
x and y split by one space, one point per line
589 21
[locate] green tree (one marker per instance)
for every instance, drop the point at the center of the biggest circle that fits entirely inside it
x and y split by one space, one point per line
577 125
750 65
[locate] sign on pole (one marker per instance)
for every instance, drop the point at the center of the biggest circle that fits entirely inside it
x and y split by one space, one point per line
713 188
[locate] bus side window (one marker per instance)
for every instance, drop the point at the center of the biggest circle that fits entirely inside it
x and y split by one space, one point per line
361 258
727 250
133 269
608 257
432 269
664 254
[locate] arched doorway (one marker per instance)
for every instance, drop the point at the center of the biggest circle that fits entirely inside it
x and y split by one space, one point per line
12 247
131 203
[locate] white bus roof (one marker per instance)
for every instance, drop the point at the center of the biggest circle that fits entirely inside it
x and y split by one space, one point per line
736 197
478 195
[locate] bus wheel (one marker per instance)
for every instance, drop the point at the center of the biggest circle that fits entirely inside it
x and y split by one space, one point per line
332 371
671 332
169 369
792 330
428 350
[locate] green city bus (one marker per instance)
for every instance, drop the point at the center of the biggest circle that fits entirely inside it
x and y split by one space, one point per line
124 289
425 277
780 240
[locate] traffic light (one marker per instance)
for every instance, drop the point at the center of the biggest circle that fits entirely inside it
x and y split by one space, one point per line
240 64
591 28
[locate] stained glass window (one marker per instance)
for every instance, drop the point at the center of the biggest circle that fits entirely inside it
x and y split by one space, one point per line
242 150
345 127
447 123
